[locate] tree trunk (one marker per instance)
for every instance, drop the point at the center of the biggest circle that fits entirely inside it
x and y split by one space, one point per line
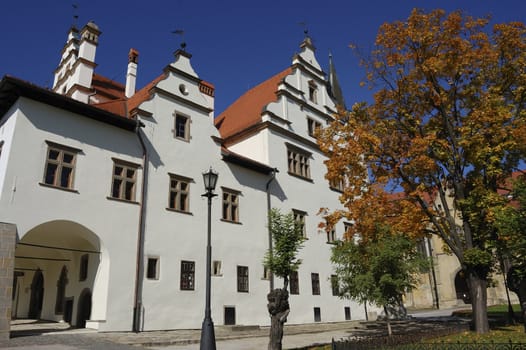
388 320
278 307
478 289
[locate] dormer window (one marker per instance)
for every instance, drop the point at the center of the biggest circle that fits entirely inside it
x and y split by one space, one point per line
313 92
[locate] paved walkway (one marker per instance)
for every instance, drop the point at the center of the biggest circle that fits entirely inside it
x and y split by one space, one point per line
29 334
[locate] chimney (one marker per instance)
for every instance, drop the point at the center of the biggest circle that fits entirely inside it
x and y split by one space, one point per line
131 74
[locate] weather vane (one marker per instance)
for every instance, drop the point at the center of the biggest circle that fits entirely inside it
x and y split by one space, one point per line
305 30
181 33
75 14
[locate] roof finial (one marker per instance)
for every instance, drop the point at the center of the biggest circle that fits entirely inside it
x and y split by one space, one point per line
75 14
305 29
181 33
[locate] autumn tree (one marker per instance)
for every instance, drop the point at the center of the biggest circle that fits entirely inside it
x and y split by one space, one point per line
281 261
447 126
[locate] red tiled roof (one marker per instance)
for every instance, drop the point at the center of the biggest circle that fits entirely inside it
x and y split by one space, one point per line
246 111
123 106
107 87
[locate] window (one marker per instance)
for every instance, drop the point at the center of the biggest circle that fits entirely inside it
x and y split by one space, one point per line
294 283
179 197
60 165
315 279
347 311
182 127
313 126
313 92
152 269
83 270
230 315
348 227
242 279
317 314
230 205
336 184
298 162
124 179
299 219
331 235
187 275
1 146
266 273
216 268
335 286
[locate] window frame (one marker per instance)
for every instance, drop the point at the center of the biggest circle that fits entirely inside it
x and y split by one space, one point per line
315 282
331 236
313 126
335 285
298 162
177 192
187 278
126 166
313 91
229 207
294 283
156 269
300 219
242 279
187 120
60 165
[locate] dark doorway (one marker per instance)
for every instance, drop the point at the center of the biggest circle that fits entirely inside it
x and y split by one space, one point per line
84 308
37 295
317 314
68 310
461 287
230 315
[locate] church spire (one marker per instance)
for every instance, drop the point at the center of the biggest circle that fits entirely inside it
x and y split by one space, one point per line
334 88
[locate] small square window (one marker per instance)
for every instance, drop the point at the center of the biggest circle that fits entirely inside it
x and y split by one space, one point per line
182 127
152 269
216 268
230 315
317 314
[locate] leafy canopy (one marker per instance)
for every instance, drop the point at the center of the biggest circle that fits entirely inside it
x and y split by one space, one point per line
287 238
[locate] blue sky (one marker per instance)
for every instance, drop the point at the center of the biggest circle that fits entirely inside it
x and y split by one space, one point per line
235 44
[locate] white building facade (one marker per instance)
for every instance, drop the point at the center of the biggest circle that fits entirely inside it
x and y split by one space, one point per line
104 186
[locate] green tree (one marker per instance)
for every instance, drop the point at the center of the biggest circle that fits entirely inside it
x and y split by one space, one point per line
281 260
378 271
447 125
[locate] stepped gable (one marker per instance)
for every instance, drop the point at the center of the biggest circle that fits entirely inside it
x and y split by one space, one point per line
246 111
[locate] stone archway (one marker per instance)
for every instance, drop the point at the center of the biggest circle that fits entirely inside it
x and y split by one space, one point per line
66 257
461 287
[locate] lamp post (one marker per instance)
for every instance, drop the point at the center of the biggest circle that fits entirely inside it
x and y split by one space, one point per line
208 338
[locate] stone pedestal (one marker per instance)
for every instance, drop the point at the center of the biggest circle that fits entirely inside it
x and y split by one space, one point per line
7 264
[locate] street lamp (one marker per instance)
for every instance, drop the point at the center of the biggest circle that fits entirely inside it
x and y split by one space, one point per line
208 338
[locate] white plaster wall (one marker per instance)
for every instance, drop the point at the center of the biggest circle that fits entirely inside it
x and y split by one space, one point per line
255 147
7 129
115 223
174 236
